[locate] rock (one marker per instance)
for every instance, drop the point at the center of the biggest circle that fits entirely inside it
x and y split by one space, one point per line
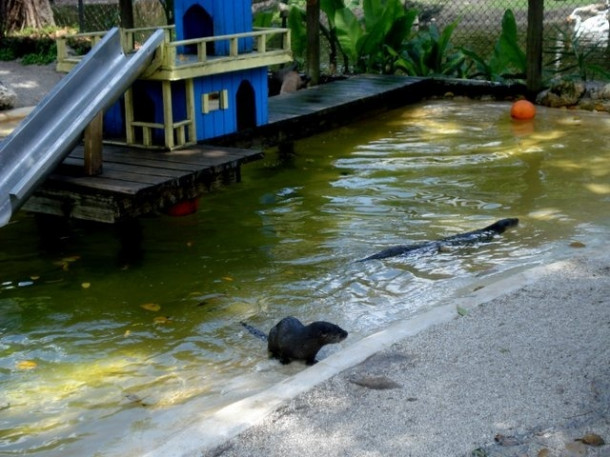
598 90
590 95
561 93
8 97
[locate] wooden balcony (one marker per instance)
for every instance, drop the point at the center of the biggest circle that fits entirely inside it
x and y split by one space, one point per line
186 59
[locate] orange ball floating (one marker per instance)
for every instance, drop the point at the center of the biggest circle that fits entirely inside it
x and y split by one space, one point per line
523 110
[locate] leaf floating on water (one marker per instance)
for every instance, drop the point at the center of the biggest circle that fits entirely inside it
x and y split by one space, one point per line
544 453
65 266
577 244
209 298
227 278
592 439
151 307
66 261
127 333
135 399
34 277
85 285
26 365
162 320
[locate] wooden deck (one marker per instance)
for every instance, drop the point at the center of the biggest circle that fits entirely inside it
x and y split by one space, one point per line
327 106
135 182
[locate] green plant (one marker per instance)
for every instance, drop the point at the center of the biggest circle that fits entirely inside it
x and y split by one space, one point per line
575 58
508 60
365 42
32 49
7 54
430 53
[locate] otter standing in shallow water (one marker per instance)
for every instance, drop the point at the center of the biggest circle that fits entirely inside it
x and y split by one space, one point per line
290 340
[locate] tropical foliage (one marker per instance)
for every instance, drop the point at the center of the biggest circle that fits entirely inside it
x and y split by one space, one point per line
430 53
507 61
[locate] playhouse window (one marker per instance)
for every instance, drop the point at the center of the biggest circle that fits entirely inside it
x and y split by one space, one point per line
213 101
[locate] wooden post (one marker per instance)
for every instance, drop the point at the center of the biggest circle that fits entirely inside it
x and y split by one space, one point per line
168 115
93 145
130 134
313 40
535 22
190 110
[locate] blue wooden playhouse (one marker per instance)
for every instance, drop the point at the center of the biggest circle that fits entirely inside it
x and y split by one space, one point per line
209 77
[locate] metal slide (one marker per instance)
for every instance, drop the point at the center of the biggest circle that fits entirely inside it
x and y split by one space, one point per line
52 130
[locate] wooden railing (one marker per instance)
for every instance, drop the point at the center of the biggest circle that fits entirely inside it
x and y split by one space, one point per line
260 36
170 52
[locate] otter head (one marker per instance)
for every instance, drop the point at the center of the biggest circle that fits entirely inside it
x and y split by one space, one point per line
503 224
330 333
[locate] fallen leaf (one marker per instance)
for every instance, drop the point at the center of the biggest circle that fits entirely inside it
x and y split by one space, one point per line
375 382
71 259
462 311
577 244
34 277
227 278
506 440
26 365
544 453
151 307
592 439
127 333
162 320
86 285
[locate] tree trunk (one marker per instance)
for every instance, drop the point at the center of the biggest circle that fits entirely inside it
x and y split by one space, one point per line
313 40
19 14
126 11
535 16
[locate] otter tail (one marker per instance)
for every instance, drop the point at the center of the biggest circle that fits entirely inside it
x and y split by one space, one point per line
256 332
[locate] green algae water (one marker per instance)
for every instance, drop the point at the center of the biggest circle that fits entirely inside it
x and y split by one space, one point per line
95 351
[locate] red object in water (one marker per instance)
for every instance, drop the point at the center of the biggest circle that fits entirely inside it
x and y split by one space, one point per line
523 110
184 208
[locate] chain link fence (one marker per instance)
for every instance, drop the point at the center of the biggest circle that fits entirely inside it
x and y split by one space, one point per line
574 31
100 15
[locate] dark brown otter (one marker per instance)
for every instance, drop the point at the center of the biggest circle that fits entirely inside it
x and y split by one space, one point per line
290 340
430 247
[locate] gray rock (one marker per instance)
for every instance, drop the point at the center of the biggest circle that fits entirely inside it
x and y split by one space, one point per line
561 93
8 97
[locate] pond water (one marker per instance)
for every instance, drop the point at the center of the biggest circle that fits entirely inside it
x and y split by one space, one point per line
92 348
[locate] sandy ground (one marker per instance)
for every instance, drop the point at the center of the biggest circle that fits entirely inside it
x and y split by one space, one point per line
30 82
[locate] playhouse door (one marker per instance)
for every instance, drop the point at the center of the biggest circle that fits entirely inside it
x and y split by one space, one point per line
245 102
198 23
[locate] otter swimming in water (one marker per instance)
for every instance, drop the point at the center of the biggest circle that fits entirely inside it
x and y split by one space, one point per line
290 340
484 234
